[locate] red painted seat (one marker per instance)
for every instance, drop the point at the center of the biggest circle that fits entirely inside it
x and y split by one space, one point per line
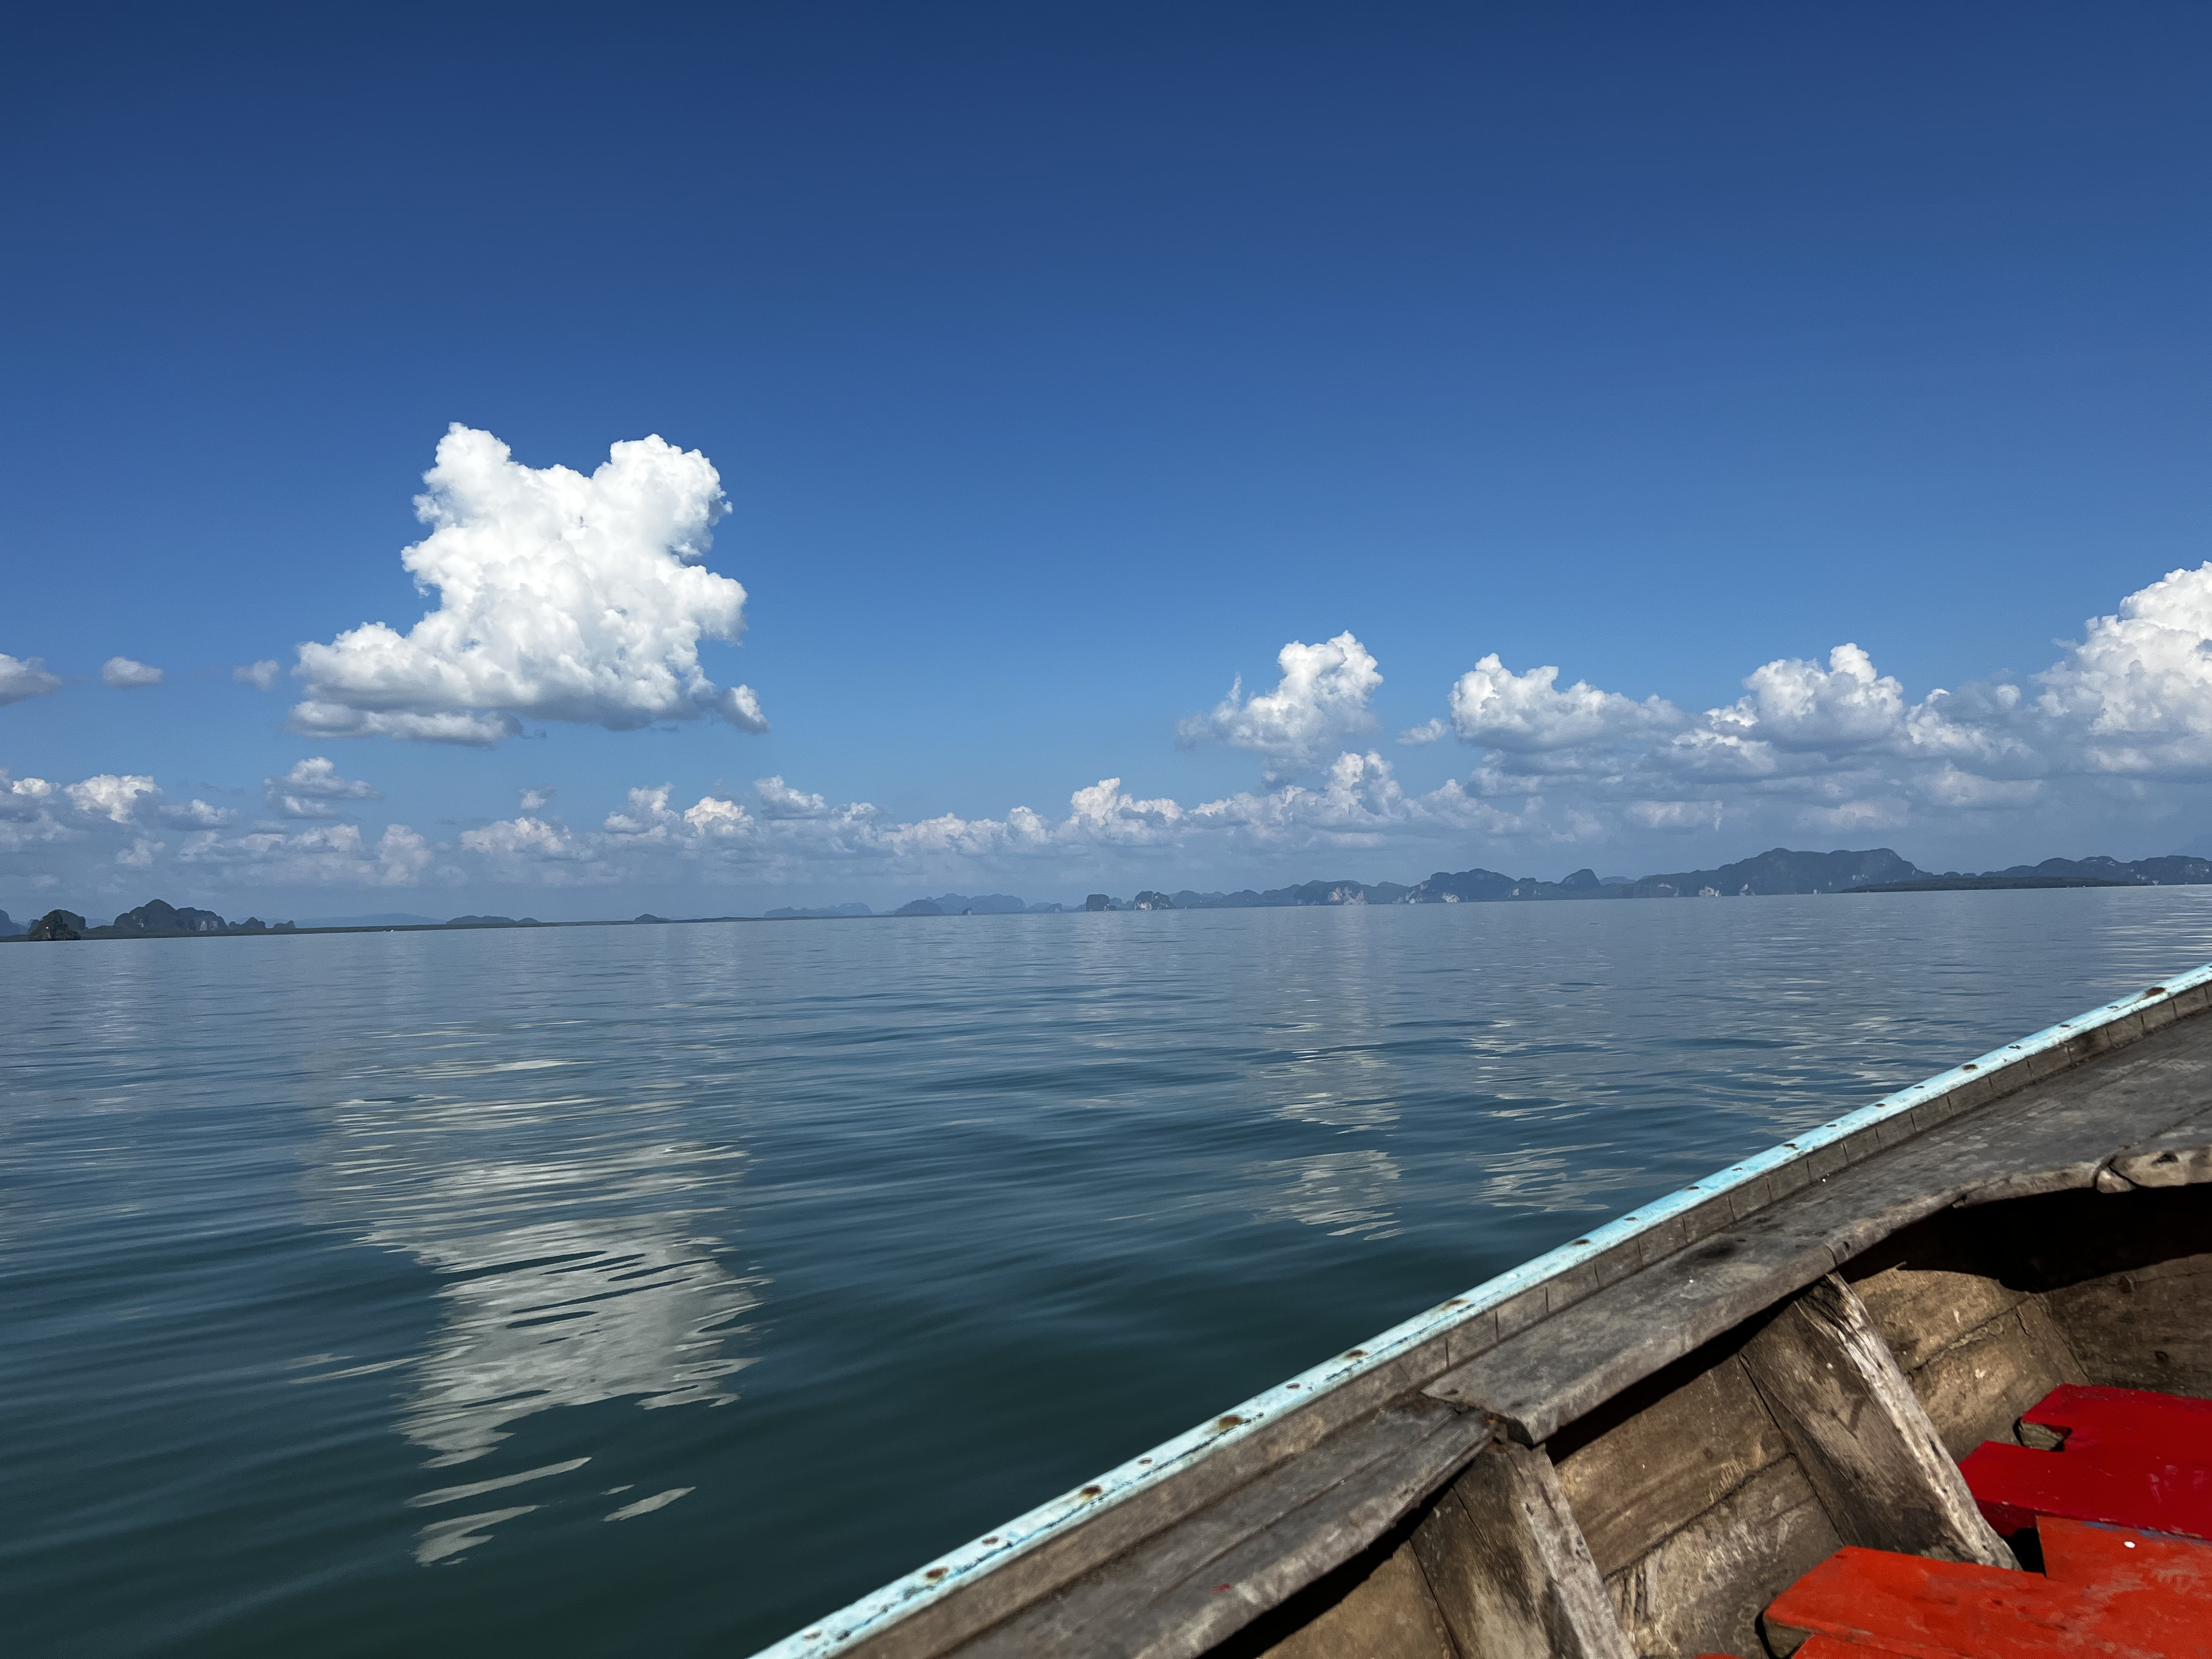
1829 1647
2130 1459
2118 1594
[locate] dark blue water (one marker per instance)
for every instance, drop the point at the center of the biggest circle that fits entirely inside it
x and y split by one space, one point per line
609 1290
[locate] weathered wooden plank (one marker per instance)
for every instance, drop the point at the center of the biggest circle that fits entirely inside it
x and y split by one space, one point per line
1921 1310
1585 1355
1025 1581
1187 1588
2047 1340
1933 1285
1509 1568
1582 1358
2074 1173
1668 1457
2159 1080
1975 1389
1702 1590
1866 1445
1388 1615
2143 1327
2178 1156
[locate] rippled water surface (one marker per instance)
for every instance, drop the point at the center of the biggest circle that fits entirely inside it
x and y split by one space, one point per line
657 1289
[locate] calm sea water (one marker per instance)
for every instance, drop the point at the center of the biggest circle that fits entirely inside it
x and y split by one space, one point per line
658 1289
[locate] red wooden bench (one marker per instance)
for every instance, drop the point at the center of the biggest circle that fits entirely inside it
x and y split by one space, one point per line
2121 1504
2116 1593
2129 1458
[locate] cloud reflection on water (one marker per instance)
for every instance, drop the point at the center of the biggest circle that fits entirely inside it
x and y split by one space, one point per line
570 1313
1346 1193
569 1237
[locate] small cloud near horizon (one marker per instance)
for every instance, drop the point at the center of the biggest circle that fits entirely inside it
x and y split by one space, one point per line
125 675
22 678
312 786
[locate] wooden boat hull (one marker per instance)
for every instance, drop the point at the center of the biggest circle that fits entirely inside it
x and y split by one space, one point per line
1632 1444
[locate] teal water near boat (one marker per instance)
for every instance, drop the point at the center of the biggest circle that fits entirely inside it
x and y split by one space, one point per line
591 1290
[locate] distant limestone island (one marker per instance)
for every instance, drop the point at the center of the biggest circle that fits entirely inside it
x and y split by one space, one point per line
158 918
1780 870
155 919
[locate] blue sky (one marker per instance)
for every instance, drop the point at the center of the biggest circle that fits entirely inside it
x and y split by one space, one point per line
1058 366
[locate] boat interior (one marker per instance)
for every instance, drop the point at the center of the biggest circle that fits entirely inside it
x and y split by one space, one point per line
1707 1489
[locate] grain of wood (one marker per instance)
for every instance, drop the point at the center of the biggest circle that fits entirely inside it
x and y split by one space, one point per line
1922 1310
1189 1587
1642 1478
1866 1445
2143 1327
1976 1388
1703 1589
2046 1339
1509 1568
1030 1580
1389 1614
2178 1156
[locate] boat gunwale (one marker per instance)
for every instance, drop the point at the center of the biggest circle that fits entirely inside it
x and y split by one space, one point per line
960 1568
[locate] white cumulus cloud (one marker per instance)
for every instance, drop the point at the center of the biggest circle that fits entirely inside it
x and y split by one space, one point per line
113 796
1797 704
262 675
1321 701
102 828
560 598
194 815
312 788
126 675
779 800
23 678
524 838
28 818
47 828
1838 747
1359 805
2136 693
1493 706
